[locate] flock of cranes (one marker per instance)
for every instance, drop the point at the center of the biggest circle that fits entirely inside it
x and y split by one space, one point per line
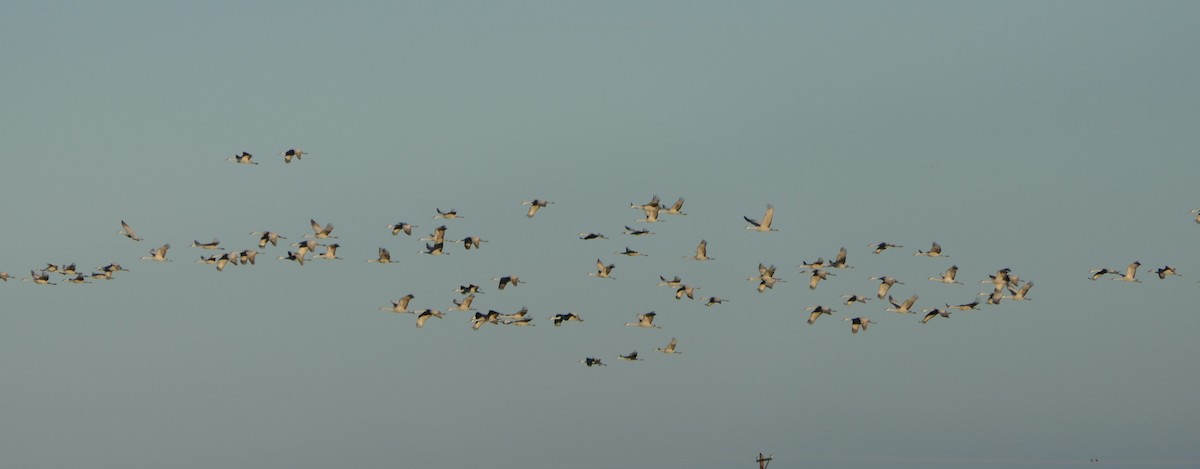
1005 285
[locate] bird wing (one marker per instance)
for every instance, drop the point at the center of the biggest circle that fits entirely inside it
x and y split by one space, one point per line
766 221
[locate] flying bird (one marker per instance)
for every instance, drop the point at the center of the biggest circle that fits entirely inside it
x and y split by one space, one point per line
590 362
265 237
712 300
630 253
1019 294
675 209
127 232
885 284
880 247
384 257
631 357
701 252
211 245
244 158
670 348
591 236
1130 273
905 307
948 277
840 261
817 311
506 280
858 323
434 249
567 317
158 254
402 227
292 153
1165 271
319 232
399 306
644 320
851 299
602 271
636 232
447 215
330 252
425 314
932 313
934 251
817 276
534 205
765 224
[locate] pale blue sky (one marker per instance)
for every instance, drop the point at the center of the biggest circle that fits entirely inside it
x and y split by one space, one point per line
1047 137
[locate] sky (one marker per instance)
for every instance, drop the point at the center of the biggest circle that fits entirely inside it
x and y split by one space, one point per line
1050 138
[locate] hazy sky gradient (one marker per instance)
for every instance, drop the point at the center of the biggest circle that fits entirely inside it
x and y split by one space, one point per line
1047 137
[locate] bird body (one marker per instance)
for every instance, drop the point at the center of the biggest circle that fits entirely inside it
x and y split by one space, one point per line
905 308
535 205
670 348
644 320
765 224
292 153
934 251
127 232
701 252
158 254
948 277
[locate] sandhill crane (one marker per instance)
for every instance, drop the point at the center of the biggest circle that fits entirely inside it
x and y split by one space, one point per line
127 232
932 313
851 299
425 314
994 297
644 320
654 203
490 317
858 323
434 249
100 275
676 209
305 247
40 278
67 269
1000 280
468 289
817 311
712 300
113 267
1130 273
651 215
519 322
840 261
905 308
636 232
292 153
673 283
817 264
471 242
687 290
880 247
506 280
534 205
1097 273
934 251
948 277
330 252
399 306
265 237
1019 294
215 244
701 252
158 254
243 158
402 226
590 236
224 260
464 305
590 362
765 224
1197 212
602 271
522 314
817 276
78 278
631 357
630 253
567 317
670 348
438 236
4 276
319 232
292 256
1164 271
384 257
974 305
447 214
885 284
